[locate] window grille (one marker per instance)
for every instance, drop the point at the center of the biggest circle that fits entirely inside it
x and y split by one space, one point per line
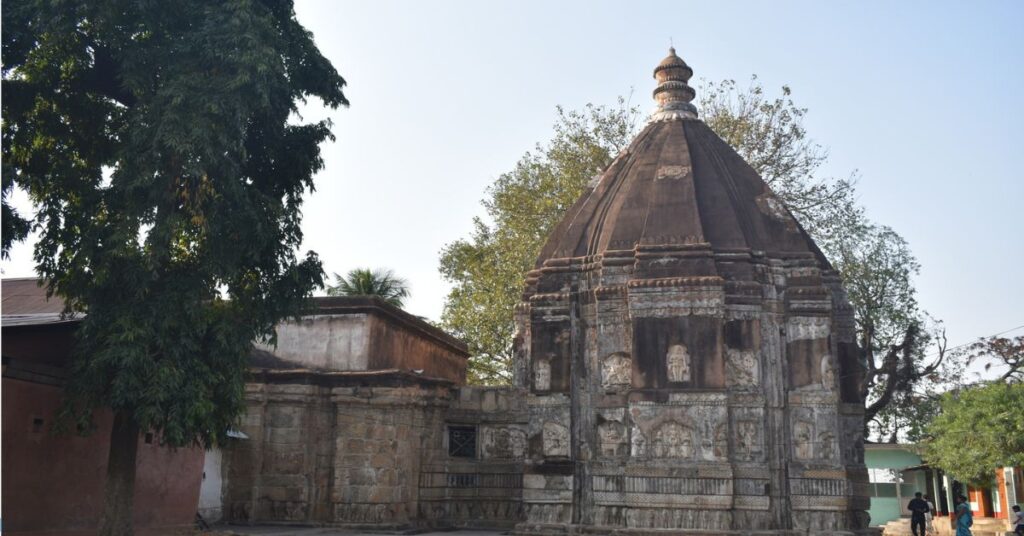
462 441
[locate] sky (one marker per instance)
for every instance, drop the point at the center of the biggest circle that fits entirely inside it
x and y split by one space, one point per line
921 99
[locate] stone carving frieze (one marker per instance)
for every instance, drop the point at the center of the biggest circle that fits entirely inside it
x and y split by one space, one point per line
555 438
616 370
807 327
742 368
504 443
803 440
748 440
612 438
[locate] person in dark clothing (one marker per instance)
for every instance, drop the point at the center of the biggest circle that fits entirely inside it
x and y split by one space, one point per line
918 508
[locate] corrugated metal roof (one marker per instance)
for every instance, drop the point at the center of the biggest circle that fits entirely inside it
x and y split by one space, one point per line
23 303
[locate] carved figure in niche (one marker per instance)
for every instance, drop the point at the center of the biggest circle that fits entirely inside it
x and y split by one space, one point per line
803 437
826 444
616 370
721 449
678 363
748 441
504 443
542 375
742 368
673 440
612 436
638 444
556 439
828 375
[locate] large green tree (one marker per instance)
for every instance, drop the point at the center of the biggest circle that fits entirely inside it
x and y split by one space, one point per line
487 269
978 430
159 144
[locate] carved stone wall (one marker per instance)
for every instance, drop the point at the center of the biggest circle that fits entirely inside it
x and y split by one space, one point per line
322 450
690 403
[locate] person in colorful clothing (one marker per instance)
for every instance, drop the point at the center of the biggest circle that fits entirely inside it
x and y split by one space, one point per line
964 517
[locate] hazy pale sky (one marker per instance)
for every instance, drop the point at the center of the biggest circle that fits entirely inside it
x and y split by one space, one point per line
922 98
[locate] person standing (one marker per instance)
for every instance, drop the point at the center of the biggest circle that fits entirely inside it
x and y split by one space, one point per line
1017 521
929 526
964 517
918 509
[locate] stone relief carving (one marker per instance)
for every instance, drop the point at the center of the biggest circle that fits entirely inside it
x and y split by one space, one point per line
637 444
672 440
807 327
828 375
678 363
616 370
714 441
742 368
748 439
504 443
612 436
542 375
826 445
556 439
803 438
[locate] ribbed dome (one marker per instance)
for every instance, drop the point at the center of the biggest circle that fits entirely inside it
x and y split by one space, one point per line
678 185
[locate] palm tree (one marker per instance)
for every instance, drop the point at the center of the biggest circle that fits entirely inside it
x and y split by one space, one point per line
367 282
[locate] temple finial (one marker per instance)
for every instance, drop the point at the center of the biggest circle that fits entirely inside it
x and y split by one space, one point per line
674 94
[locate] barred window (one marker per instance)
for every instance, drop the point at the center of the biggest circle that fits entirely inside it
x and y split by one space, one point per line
462 441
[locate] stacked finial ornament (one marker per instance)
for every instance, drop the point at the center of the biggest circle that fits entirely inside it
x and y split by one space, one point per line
673 94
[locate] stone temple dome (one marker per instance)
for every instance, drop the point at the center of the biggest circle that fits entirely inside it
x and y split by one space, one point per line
679 185
687 352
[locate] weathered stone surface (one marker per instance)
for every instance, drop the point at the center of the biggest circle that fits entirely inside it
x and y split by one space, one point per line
681 264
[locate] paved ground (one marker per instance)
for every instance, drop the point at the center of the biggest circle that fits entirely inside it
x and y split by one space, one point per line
270 530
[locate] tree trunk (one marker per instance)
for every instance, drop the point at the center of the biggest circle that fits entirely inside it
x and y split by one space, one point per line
120 488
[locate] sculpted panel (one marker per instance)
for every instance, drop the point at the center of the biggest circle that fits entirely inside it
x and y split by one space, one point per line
672 440
742 368
828 376
803 438
616 370
748 440
808 327
612 436
542 375
504 443
678 363
556 440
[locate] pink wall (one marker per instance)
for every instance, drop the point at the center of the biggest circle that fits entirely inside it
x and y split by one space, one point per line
54 484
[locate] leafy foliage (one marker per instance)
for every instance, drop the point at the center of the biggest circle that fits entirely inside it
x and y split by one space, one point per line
523 206
978 430
155 142
366 282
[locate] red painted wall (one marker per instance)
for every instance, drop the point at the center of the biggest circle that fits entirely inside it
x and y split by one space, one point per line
54 484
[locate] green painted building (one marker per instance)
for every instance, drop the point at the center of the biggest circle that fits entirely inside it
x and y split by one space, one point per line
896 472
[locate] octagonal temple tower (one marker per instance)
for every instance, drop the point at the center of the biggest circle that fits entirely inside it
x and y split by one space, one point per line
688 351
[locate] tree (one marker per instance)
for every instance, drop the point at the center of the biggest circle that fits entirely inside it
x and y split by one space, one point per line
1005 354
366 282
978 430
523 205
488 269
158 144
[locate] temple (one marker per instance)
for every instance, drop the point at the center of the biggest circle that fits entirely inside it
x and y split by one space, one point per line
687 351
